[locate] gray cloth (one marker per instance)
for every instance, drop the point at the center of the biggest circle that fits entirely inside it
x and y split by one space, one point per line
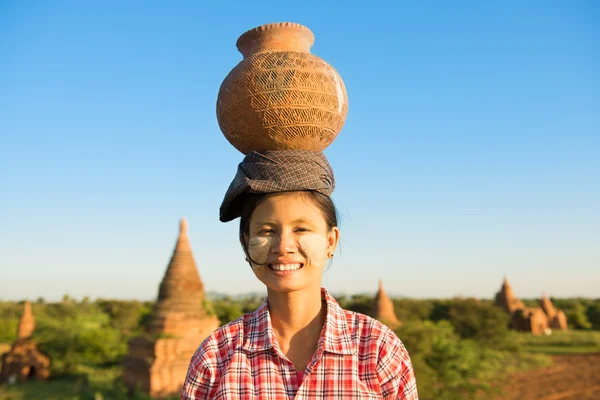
277 171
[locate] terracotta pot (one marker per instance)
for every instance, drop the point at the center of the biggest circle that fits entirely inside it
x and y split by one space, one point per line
280 96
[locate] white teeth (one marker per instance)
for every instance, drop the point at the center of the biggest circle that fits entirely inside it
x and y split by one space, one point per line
285 267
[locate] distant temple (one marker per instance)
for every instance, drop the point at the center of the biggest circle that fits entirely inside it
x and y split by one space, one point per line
157 361
556 318
383 309
24 361
507 299
536 320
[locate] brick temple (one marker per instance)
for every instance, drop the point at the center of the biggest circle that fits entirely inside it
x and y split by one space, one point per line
157 361
556 317
537 320
24 361
383 309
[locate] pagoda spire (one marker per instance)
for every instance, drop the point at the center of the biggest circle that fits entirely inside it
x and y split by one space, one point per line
26 323
506 298
181 289
24 361
547 306
383 308
183 241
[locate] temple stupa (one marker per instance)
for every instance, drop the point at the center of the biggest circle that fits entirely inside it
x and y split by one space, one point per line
556 317
157 361
506 298
383 309
24 361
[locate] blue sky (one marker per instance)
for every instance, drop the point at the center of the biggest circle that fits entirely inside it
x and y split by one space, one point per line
471 148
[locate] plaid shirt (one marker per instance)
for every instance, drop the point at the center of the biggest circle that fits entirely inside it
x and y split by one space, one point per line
357 357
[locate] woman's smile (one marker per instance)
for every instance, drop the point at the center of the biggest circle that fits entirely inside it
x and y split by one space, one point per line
285 269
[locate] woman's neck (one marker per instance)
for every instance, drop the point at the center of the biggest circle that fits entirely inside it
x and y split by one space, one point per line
299 311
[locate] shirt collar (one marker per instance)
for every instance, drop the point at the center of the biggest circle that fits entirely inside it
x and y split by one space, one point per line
335 336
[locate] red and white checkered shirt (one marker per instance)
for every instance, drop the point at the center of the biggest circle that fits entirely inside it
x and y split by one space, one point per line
357 357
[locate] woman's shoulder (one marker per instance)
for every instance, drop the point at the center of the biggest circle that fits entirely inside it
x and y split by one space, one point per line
380 345
223 341
369 331
365 331
364 324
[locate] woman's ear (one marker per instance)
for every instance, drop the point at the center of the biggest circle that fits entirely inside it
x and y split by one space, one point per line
333 237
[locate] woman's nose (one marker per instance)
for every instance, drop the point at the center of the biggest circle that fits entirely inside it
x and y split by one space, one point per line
284 243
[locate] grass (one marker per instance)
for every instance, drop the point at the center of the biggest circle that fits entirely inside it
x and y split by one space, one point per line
557 350
560 342
523 361
63 389
90 384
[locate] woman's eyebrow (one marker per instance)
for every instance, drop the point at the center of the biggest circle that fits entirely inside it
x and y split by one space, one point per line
261 223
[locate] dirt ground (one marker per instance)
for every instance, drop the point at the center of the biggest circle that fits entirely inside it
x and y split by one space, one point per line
571 377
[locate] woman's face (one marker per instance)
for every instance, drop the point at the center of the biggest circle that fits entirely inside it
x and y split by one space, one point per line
290 241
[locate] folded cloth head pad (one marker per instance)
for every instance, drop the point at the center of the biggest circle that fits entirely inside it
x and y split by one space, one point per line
277 171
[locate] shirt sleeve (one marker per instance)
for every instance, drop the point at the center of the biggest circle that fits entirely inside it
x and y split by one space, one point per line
395 370
200 382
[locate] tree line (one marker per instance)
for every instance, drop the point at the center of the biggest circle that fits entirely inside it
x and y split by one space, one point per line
458 346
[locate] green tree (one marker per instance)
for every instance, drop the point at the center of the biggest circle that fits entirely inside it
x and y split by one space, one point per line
440 310
577 318
359 303
446 367
249 304
412 309
8 329
593 314
10 313
481 321
125 316
78 338
226 310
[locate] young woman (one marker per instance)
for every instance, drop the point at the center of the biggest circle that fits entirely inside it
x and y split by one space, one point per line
299 344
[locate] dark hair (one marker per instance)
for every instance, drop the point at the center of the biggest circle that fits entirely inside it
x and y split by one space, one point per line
252 200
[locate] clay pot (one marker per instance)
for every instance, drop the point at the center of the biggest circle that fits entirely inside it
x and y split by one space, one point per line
280 96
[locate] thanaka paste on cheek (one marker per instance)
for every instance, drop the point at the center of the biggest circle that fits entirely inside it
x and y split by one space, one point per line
258 249
314 246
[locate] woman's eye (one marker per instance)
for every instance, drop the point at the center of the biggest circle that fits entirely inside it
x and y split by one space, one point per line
266 231
301 229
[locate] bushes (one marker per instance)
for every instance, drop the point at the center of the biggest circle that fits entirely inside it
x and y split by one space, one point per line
413 309
446 366
8 329
125 316
465 348
80 338
227 311
481 321
449 367
9 320
560 342
75 335
593 315
359 303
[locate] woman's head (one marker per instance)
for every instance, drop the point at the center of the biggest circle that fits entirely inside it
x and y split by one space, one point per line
288 237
